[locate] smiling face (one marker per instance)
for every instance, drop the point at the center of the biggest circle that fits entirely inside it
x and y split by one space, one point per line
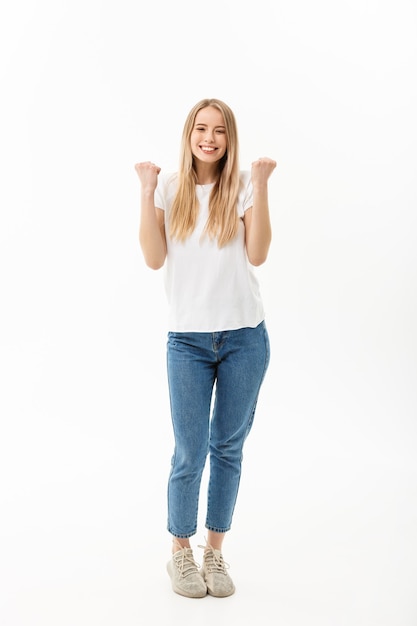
208 137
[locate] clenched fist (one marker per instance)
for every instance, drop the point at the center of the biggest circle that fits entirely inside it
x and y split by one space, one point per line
261 170
148 175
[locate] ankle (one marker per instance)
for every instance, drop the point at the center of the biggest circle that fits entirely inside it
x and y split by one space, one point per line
179 544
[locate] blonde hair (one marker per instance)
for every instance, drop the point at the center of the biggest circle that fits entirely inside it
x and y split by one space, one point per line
223 218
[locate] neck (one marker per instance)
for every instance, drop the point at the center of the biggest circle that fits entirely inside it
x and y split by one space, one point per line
206 174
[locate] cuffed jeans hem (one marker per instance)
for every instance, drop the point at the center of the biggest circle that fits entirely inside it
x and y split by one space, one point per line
181 535
215 529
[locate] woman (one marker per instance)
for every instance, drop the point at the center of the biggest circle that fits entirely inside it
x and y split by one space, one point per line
209 223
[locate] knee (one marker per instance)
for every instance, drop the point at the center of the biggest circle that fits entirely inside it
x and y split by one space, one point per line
189 463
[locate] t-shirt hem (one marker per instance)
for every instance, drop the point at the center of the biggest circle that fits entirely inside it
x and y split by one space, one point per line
173 328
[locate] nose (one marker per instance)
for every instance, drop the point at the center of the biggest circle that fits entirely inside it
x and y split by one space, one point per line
209 136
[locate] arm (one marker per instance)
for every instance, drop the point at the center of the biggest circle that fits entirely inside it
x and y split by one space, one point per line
257 222
151 229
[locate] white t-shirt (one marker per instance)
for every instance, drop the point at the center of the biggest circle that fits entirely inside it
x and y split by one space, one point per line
208 288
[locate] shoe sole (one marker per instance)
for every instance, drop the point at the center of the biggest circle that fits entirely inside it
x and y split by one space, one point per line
220 595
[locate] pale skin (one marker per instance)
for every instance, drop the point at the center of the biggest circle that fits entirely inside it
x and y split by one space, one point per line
208 144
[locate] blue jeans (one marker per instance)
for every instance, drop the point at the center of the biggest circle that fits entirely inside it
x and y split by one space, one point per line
234 363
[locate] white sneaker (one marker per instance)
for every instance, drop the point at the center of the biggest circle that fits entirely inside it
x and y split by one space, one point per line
185 577
214 572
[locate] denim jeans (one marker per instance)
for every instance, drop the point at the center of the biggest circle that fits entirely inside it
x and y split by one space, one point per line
232 364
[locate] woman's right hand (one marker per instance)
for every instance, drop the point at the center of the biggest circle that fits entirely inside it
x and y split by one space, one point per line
148 175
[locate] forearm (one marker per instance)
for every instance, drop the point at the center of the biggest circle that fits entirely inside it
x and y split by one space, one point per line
151 237
259 233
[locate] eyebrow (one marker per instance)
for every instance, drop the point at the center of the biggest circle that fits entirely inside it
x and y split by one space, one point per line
202 124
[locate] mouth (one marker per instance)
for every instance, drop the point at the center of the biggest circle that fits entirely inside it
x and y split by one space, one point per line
208 149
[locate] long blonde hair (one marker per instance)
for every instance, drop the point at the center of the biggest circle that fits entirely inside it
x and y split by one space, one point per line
223 218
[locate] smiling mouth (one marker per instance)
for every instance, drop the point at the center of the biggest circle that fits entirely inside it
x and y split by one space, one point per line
207 149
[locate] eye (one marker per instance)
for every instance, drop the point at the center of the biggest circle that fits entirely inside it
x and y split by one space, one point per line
220 131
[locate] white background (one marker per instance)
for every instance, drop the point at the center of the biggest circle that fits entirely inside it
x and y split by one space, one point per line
325 531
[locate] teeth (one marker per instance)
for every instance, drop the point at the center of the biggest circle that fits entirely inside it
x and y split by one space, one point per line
204 149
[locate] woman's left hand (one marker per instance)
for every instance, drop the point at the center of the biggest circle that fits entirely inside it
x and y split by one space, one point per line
261 170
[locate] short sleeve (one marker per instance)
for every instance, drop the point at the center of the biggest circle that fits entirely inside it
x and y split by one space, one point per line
159 197
165 191
245 200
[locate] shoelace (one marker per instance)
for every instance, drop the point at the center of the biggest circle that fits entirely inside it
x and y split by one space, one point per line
185 562
214 562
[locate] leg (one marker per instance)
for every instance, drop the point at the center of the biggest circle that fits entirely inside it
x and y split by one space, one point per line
191 374
191 379
244 358
215 540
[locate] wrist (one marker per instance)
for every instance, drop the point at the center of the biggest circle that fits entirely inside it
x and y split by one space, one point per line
260 185
148 192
